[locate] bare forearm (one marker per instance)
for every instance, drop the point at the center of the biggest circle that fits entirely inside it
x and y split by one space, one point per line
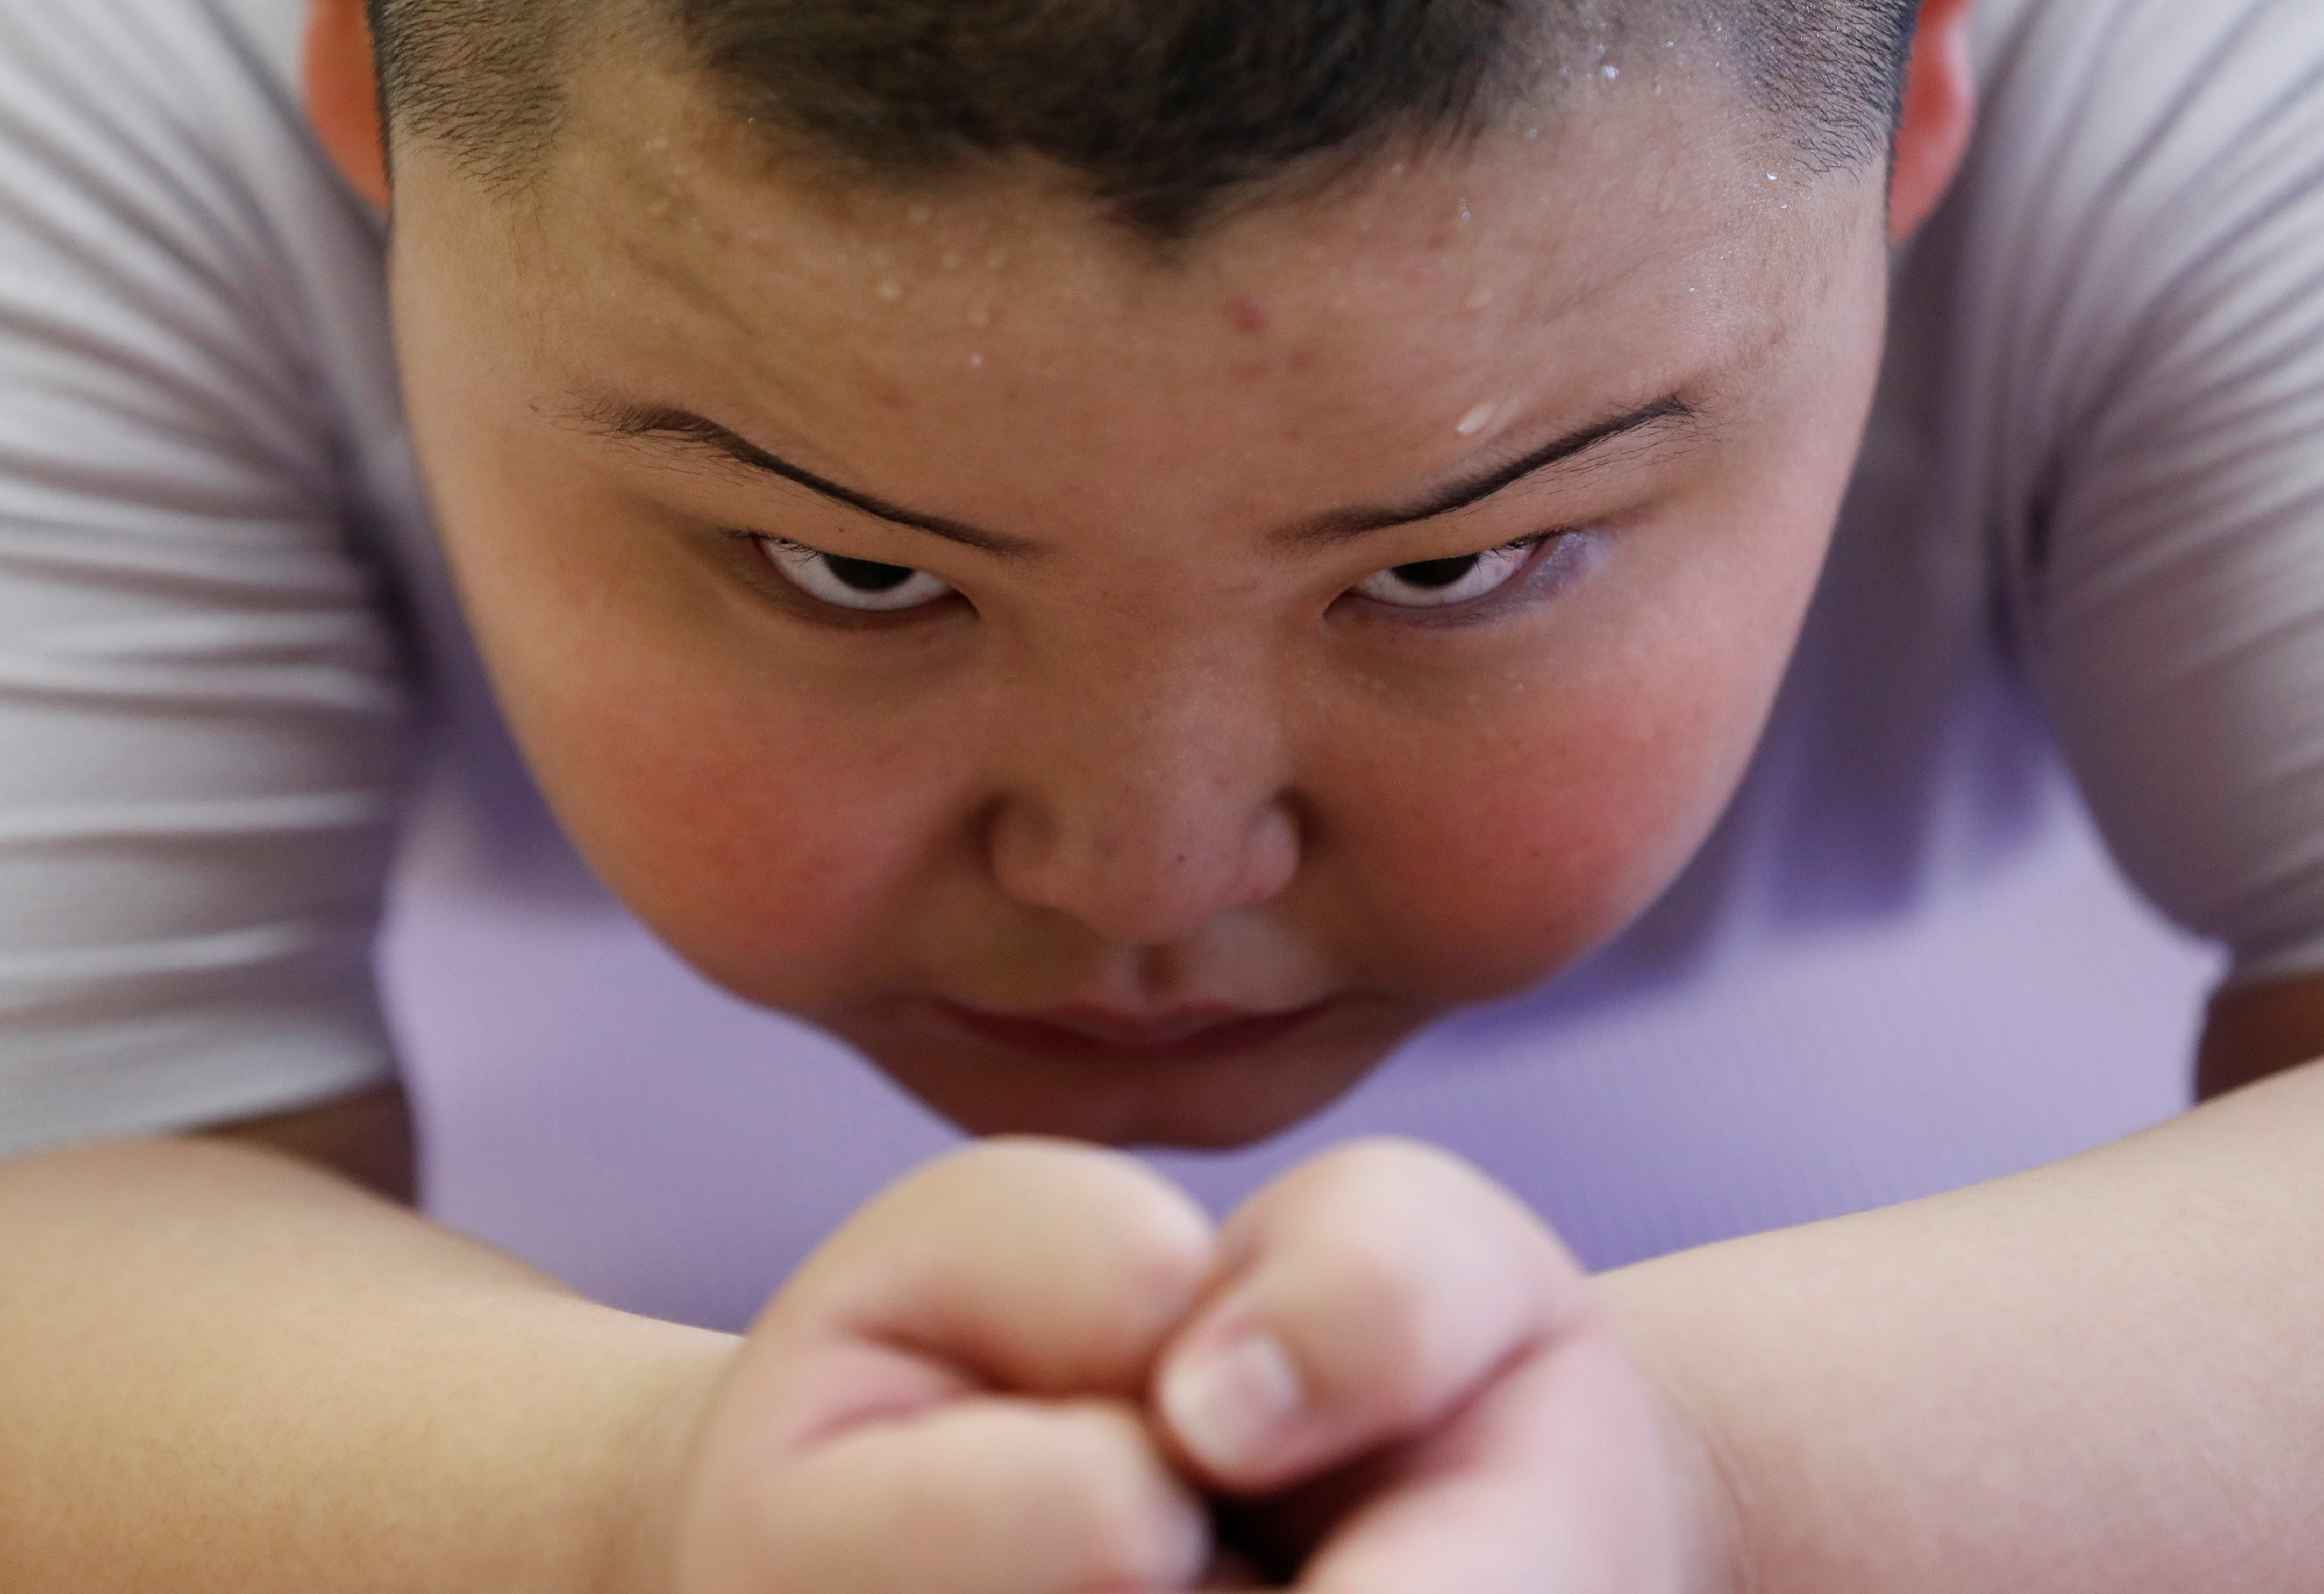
221 1368
2104 1374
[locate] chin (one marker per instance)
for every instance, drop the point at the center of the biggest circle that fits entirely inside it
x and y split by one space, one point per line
1210 1103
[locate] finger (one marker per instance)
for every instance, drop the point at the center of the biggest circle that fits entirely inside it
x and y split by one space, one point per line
1036 1267
1024 1266
1367 1294
1558 1481
983 1495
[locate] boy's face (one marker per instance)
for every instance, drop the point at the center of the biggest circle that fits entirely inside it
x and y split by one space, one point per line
1195 768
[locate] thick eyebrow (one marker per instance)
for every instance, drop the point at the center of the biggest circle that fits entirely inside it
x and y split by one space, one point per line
649 421
1343 524
644 420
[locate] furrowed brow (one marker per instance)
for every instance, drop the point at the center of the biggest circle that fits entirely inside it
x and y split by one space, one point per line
1341 524
697 433
651 422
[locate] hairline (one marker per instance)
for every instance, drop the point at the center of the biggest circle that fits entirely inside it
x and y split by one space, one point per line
520 148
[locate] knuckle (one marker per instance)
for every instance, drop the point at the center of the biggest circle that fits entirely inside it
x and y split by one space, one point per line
1150 1244
1370 1184
1161 1273
1161 1235
1130 1528
1392 1163
1115 1191
1154 1229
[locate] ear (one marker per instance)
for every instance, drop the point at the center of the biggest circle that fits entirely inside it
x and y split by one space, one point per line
342 89
1940 114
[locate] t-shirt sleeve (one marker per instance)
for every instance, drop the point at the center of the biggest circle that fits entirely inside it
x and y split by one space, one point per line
2171 538
201 710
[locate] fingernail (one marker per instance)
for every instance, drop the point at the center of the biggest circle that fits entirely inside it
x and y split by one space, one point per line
1224 1405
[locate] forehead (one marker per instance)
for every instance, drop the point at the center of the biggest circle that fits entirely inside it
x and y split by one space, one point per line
1643 231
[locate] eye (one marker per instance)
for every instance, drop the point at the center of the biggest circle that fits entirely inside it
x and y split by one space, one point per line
865 585
1438 584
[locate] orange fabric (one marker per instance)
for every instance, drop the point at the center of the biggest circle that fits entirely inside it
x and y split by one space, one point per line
340 85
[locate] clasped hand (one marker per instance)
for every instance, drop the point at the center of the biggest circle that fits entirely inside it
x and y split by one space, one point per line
1037 1369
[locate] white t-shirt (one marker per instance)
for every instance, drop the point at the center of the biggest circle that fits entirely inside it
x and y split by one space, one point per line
2088 535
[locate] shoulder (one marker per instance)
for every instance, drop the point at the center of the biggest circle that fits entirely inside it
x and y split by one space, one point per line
202 45
207 69
2124 304
178 119
2093 71
170 229
2123 143
202 693
2147 176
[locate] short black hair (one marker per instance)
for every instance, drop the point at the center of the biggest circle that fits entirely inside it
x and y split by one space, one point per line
1165 108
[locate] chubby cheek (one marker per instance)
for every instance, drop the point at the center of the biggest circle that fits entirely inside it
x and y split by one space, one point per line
1496 851
764 825
1550 845
768 847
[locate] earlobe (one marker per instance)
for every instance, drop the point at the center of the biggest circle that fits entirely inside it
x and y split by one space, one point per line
1939 116
342 94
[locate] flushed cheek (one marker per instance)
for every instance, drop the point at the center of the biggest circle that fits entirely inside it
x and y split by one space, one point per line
1543 854
776 851
769 830
1569 807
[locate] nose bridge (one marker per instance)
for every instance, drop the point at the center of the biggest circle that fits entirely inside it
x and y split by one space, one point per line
1148 794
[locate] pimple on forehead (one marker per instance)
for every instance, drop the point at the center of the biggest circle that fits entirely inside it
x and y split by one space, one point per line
1248 315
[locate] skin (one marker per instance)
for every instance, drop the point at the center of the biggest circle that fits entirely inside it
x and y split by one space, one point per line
1156 759
1024 1368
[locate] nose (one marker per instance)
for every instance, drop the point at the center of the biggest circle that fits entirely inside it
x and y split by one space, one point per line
1147 808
